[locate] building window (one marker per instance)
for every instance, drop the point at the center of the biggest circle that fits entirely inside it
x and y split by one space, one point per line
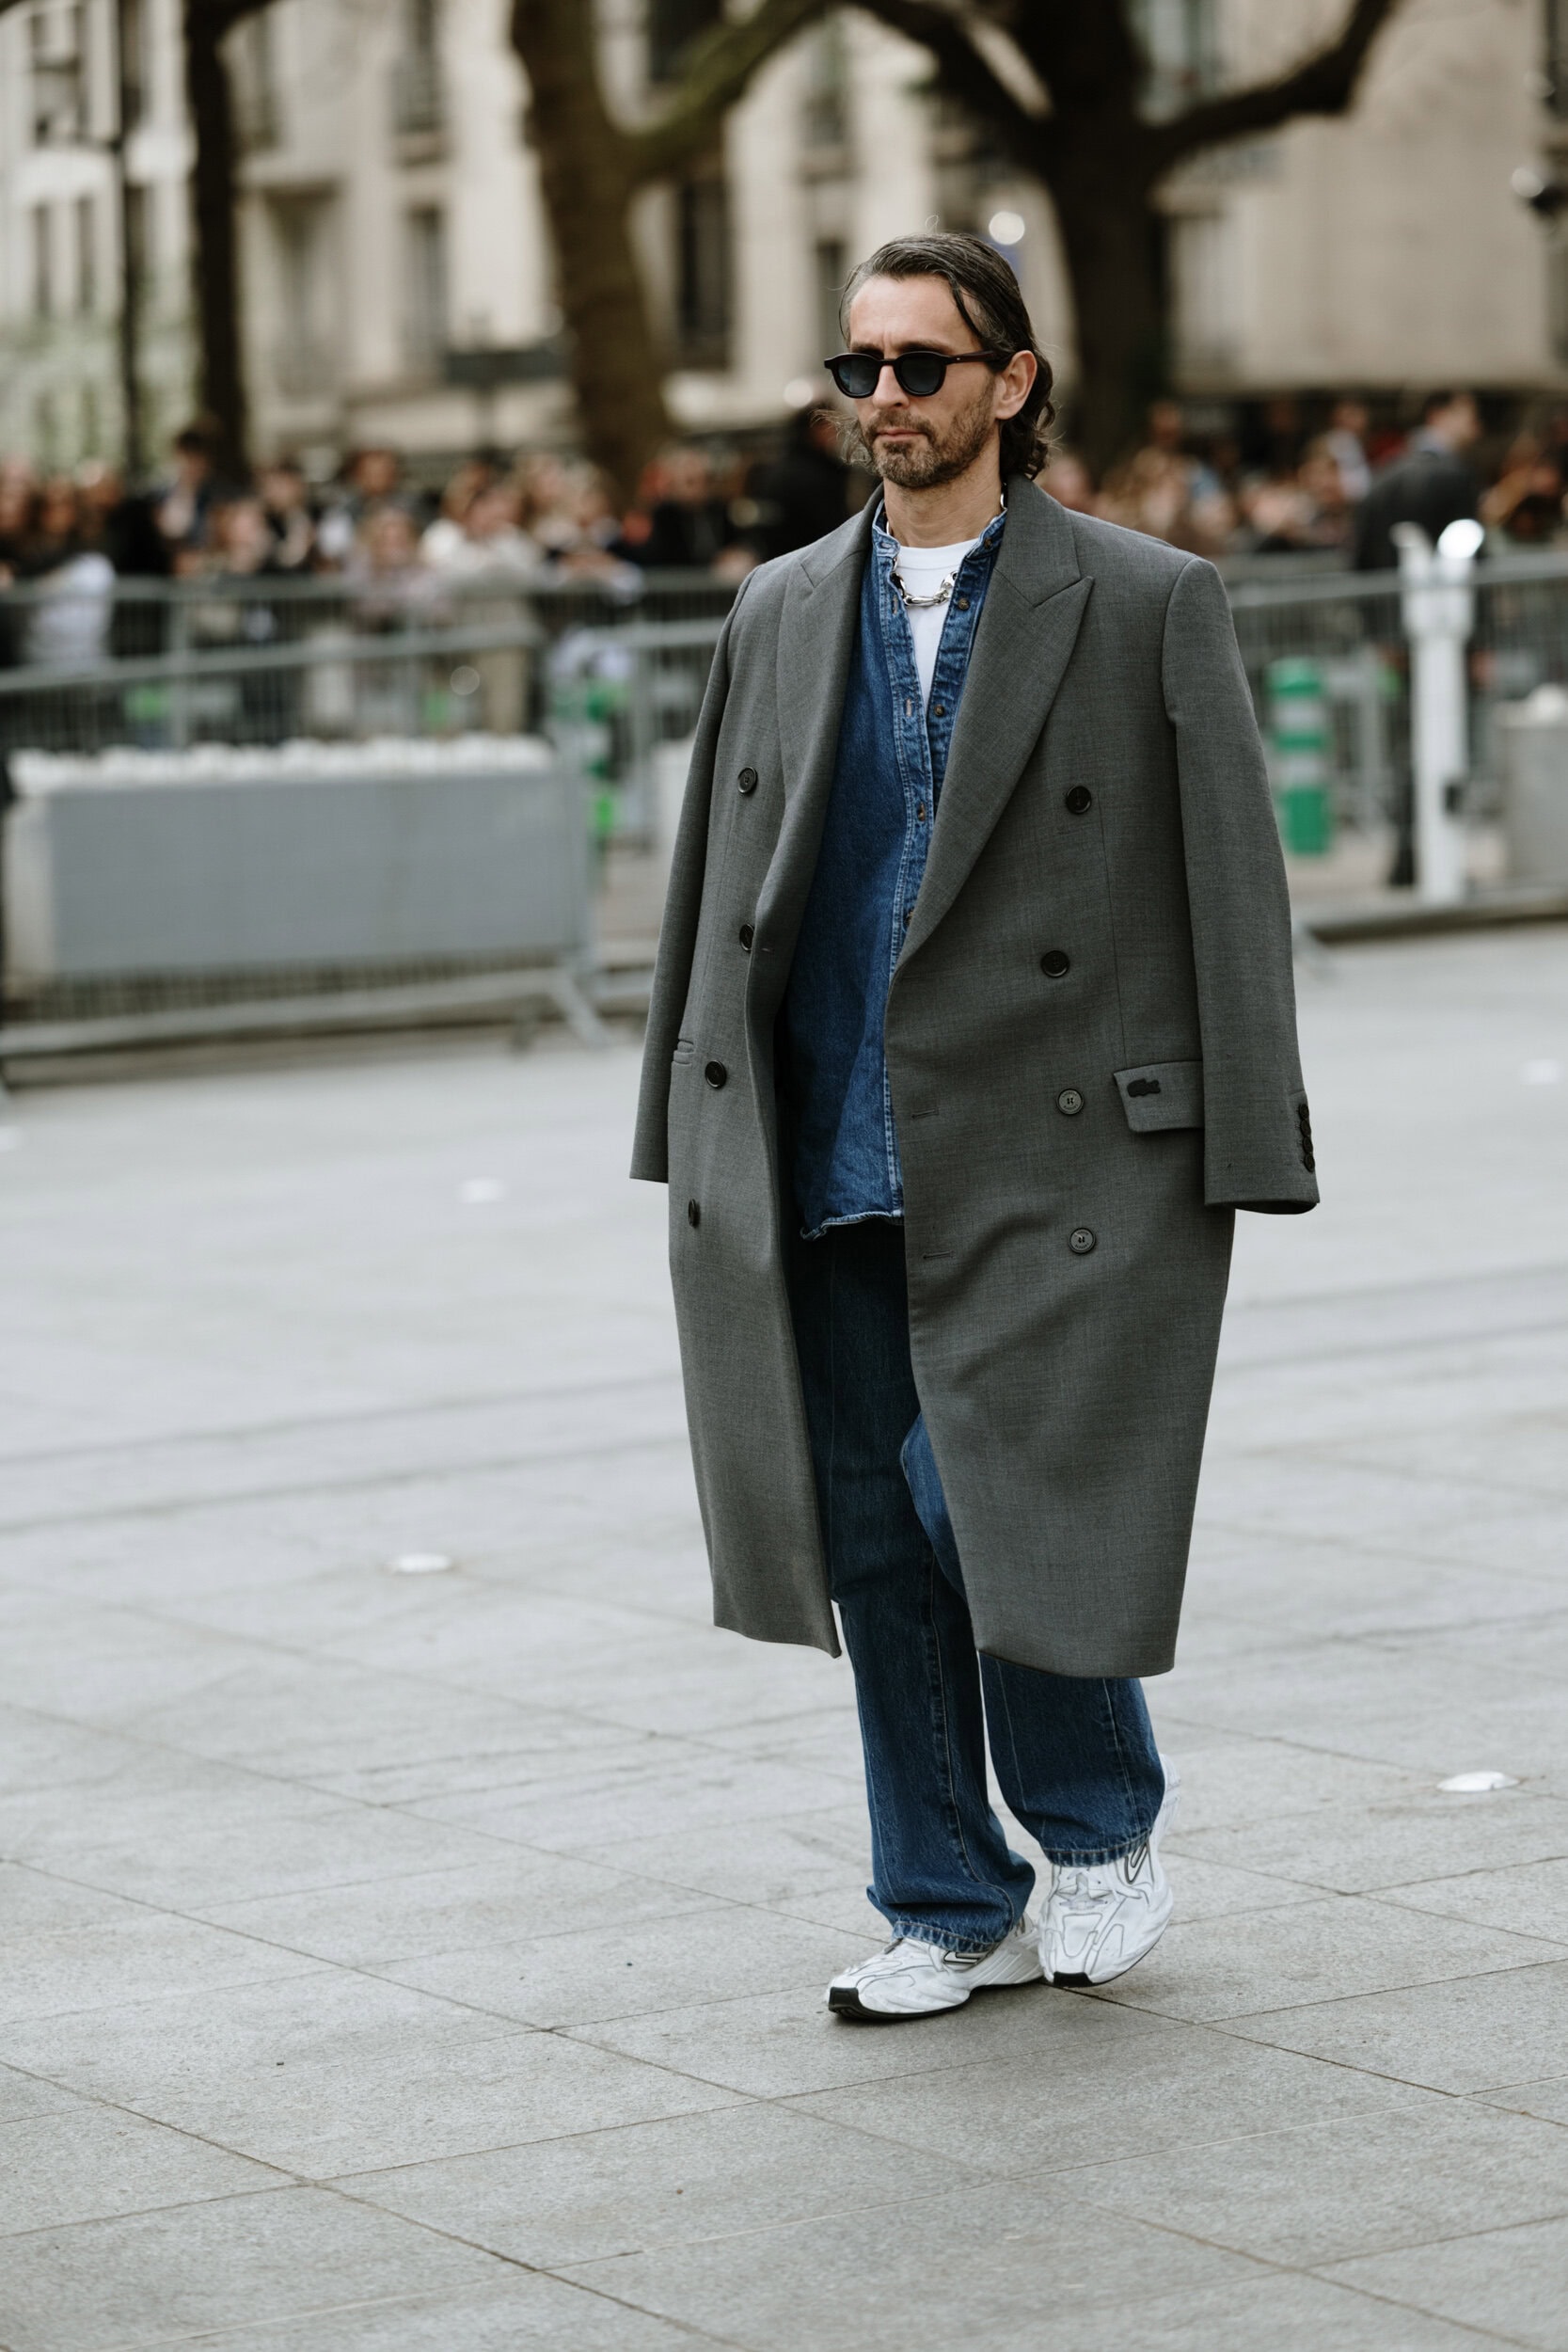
830 268
419 90
703 272
967 166
46 432
672 26
1557 301
825 114
1204 284
57 72
253 79
1180 39
424 323
1554 62
138 228
43 261
87 256
92 421
302 237
133 63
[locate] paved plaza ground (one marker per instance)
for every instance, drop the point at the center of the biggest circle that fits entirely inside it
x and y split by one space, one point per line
397 1959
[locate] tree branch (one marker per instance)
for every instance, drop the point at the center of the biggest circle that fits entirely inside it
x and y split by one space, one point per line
1323 83
965 73
720 67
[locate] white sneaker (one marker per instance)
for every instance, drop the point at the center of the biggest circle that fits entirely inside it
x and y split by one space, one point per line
1100 1919
911 1980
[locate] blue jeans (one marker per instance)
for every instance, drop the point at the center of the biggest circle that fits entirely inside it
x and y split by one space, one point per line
1075 1758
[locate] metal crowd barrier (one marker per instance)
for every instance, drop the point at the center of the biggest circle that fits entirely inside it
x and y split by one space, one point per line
87 663
168 664
613 681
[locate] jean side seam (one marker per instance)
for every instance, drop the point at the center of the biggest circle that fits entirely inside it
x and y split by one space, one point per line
1000 1685
1116 1742
939 1696
941 1724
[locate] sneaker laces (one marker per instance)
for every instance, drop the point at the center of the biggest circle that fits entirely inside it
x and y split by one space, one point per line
1073 1879
1073 1885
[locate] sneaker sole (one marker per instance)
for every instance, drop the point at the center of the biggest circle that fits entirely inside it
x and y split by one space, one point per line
844 2001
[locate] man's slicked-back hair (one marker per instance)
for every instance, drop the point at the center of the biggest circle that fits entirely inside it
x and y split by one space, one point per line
987 294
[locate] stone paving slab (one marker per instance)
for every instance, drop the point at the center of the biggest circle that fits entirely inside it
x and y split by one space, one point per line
398 1960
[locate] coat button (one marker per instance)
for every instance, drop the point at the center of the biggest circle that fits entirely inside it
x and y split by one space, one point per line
693 1214
716 1074
939 710
747 936
1069 1101
1079 1241
1054 963
747 780
1080 799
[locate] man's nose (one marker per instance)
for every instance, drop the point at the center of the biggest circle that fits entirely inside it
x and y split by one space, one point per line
895 393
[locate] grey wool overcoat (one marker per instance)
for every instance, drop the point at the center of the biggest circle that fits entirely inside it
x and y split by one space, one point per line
1091 1046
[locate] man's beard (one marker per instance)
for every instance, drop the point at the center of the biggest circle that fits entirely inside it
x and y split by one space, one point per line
933 458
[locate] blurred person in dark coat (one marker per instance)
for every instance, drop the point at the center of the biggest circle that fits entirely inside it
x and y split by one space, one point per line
1433 483
182 504
806 491
690 528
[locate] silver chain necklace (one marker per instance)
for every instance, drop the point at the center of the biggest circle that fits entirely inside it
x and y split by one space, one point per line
924 604
920 604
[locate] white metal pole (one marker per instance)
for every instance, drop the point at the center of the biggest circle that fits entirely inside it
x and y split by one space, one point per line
1439 614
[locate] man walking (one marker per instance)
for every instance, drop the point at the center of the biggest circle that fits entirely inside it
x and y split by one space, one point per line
972 1024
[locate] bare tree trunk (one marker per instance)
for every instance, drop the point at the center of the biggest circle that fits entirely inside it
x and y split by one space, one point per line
616 366
1111 241
1102 160
215 246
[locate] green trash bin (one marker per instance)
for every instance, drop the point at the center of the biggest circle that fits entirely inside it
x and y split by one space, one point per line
1301 750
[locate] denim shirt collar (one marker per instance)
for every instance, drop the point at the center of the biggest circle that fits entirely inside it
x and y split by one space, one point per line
885 548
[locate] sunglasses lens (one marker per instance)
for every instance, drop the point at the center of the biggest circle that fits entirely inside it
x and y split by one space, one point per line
921 372
855 375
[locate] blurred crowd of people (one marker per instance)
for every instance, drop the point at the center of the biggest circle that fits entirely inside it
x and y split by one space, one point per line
1333 490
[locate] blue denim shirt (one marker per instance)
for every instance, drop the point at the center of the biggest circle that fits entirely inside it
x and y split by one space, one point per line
892 756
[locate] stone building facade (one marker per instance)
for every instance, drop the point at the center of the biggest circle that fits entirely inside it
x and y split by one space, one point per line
397 280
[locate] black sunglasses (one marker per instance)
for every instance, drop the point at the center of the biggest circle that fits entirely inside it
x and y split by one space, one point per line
920 374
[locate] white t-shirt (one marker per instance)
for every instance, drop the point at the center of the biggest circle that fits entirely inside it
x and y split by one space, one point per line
923 571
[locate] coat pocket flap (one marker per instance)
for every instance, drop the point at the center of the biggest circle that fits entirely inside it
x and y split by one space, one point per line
1161 1094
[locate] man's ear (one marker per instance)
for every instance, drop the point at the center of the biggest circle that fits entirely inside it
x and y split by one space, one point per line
1015 383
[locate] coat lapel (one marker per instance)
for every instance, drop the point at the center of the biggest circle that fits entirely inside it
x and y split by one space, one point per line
816 638
1028 628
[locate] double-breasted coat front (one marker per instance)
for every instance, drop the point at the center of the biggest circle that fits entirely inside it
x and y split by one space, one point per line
1091 1049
